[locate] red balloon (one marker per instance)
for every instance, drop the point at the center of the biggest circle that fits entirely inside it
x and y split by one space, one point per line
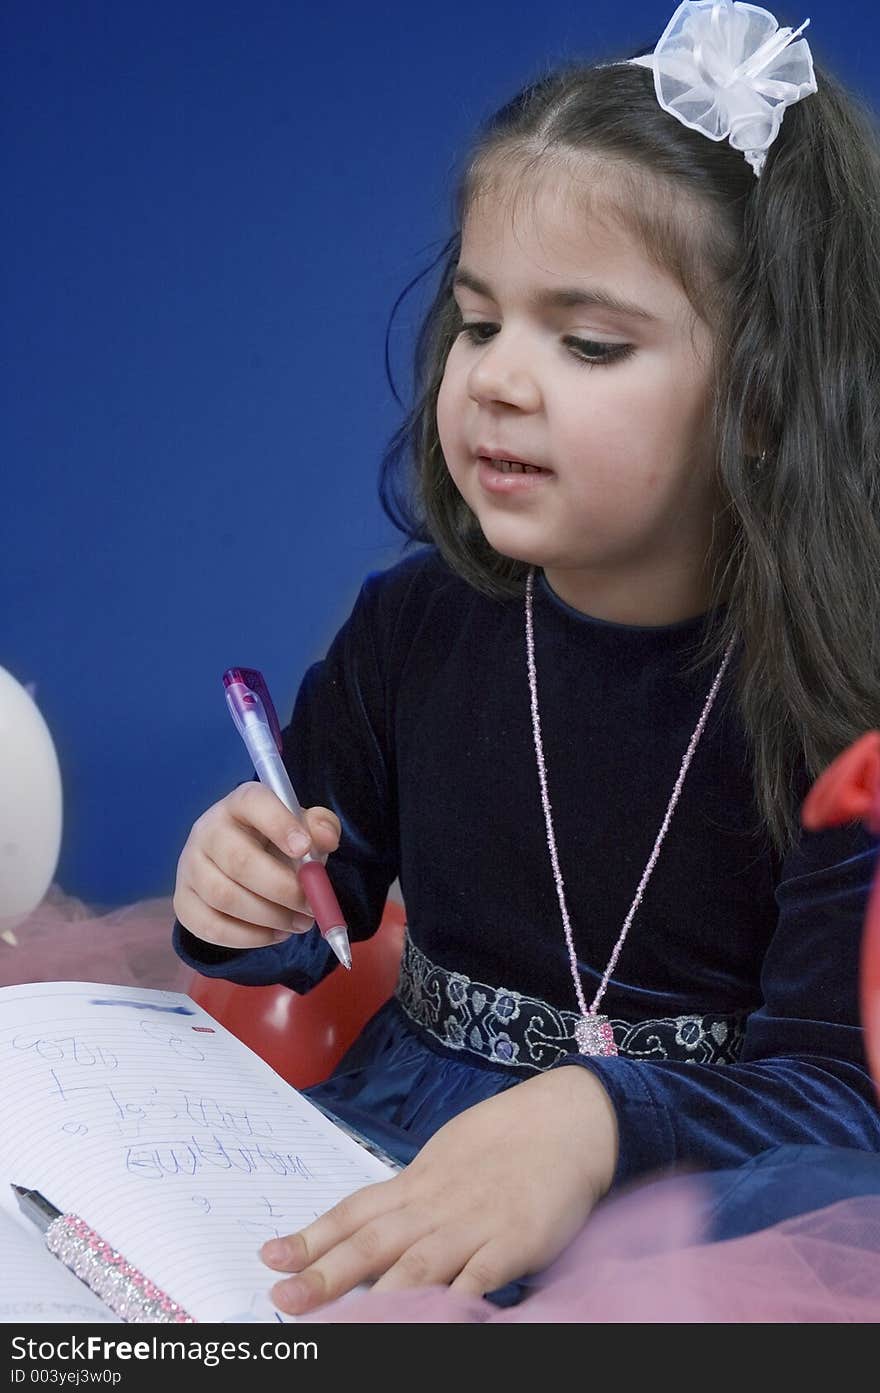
304 1037
849 789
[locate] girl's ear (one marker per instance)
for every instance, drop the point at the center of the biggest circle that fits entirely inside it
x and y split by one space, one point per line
848 790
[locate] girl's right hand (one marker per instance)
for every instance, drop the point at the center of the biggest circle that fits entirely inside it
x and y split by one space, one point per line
236 883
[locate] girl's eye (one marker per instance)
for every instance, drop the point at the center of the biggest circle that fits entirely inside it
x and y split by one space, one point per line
587 350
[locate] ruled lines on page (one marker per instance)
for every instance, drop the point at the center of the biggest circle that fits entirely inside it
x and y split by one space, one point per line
139 1112
36 1288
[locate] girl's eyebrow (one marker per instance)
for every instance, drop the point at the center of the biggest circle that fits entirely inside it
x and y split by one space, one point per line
564 298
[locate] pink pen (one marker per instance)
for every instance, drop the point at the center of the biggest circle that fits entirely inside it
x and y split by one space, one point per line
250 706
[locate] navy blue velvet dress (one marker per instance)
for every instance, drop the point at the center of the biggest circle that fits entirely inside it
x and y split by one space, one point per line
734 1003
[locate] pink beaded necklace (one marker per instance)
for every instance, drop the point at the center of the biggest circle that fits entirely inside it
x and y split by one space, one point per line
593 1032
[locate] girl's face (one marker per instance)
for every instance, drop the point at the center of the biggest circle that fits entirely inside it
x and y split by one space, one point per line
612 402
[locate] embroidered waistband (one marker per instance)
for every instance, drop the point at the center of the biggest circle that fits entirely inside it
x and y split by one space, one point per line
505 1027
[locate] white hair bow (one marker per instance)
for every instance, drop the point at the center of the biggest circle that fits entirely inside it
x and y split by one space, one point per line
726 69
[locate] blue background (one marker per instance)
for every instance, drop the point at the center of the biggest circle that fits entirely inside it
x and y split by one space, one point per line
209 212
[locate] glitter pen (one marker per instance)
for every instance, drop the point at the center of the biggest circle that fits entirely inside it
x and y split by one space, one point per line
253 712
98 1265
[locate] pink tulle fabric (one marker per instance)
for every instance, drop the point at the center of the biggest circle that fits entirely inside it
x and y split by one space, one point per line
639 1260
67 940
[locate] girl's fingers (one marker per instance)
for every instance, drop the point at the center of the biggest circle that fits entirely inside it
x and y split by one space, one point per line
402 1249
347 1265
297 1250
490 1267
326 1267
248 907
472 1210
237 883
224 931
325 830
256 807
410 1245
255 868
439 1258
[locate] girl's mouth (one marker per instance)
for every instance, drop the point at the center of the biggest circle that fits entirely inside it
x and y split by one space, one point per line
513 466
510 476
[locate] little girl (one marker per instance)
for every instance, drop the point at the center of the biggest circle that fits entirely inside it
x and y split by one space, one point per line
578 722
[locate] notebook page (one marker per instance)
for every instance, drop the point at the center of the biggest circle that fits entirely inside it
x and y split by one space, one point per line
138 1111
36 1288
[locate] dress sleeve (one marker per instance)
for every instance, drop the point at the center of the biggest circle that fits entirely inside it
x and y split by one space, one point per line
802 1076
338 751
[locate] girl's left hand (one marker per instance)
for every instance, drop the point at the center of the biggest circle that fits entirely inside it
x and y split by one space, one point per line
495 1194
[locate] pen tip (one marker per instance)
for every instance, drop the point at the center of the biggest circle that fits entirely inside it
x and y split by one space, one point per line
338 940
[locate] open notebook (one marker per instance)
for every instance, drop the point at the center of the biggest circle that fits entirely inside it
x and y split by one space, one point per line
175 1142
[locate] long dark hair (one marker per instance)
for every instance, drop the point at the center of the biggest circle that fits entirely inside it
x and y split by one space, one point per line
786 268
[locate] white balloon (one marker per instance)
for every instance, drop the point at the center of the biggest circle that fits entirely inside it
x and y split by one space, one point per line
30 804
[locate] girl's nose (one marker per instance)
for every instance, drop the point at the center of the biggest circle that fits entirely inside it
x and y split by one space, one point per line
502 373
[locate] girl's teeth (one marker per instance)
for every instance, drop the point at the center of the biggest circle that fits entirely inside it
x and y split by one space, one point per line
514 467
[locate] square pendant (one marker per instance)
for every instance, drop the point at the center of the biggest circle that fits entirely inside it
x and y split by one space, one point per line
594 1035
